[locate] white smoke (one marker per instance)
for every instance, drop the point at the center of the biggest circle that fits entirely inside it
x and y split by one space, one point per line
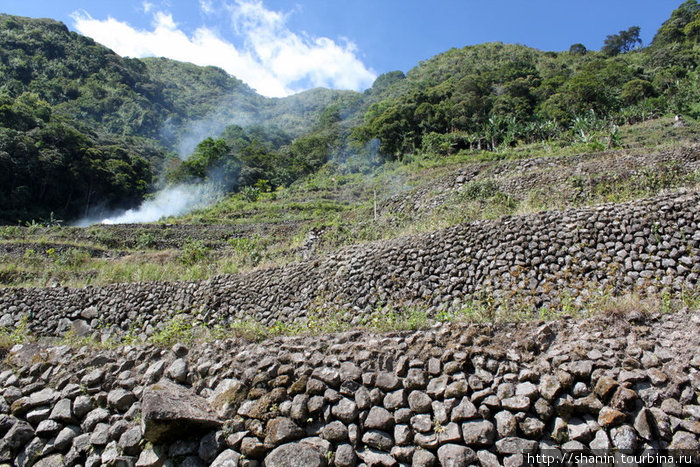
171 201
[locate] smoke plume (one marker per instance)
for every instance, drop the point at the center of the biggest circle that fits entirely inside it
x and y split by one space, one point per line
171 201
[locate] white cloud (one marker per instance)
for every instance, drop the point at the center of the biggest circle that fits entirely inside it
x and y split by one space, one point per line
207 6
272 60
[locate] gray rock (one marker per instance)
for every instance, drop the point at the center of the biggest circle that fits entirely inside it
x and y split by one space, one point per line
560 431
228 458
110 453
20 434
528 390
46 396
94 417
378 439
580 389
516 404
328 375
422 423
169 410
514 445
642 423
573 446
362 398
683 440
588 405
118 428
178 370
345 456
415 379
379 418
129 440
549 387
350 372
100 435
624 438
478 433
387 381
120 399
426 440
465 410
94 378
454 455
31 452
450 433
672 407
295 455
600 441
403 435
506 424
62 411
436 386
375 458
345 410
37 415
55 460
335 432
419 402
65 437
82 405
210 445
227 396
154 372
423 458
532 427
395 399
252 447
282 430
579 430
487 459
152 457
182 448
457 388
581 368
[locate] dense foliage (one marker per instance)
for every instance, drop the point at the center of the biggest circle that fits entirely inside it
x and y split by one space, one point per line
48 166
79 120
495 94
82 129
262 158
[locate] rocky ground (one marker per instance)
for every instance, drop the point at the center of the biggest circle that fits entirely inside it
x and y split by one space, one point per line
626 380
456 394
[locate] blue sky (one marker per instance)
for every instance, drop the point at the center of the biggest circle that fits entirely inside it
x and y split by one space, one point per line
280 47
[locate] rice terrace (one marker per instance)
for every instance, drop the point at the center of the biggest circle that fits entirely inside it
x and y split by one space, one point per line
490 259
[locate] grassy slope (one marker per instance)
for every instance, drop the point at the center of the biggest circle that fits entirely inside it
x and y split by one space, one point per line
331 209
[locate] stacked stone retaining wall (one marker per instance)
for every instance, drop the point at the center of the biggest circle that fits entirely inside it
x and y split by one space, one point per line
453 395
651 246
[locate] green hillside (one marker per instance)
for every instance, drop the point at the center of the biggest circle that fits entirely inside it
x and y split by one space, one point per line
84 131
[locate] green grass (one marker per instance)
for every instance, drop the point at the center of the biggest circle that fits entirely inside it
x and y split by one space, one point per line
272 227
184 328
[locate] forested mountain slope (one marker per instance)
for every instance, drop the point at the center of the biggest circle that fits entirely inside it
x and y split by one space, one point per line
83 130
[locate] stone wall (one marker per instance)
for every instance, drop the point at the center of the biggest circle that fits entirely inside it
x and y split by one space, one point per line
652 245
457 394
574 178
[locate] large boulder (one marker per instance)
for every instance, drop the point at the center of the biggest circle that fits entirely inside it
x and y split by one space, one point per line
172 411
295 455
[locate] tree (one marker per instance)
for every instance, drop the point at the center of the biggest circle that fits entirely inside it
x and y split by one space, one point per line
681 26
622 42
636 90
578 49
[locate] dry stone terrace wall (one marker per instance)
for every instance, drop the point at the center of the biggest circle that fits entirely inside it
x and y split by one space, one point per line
454 395
649 245
569 177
